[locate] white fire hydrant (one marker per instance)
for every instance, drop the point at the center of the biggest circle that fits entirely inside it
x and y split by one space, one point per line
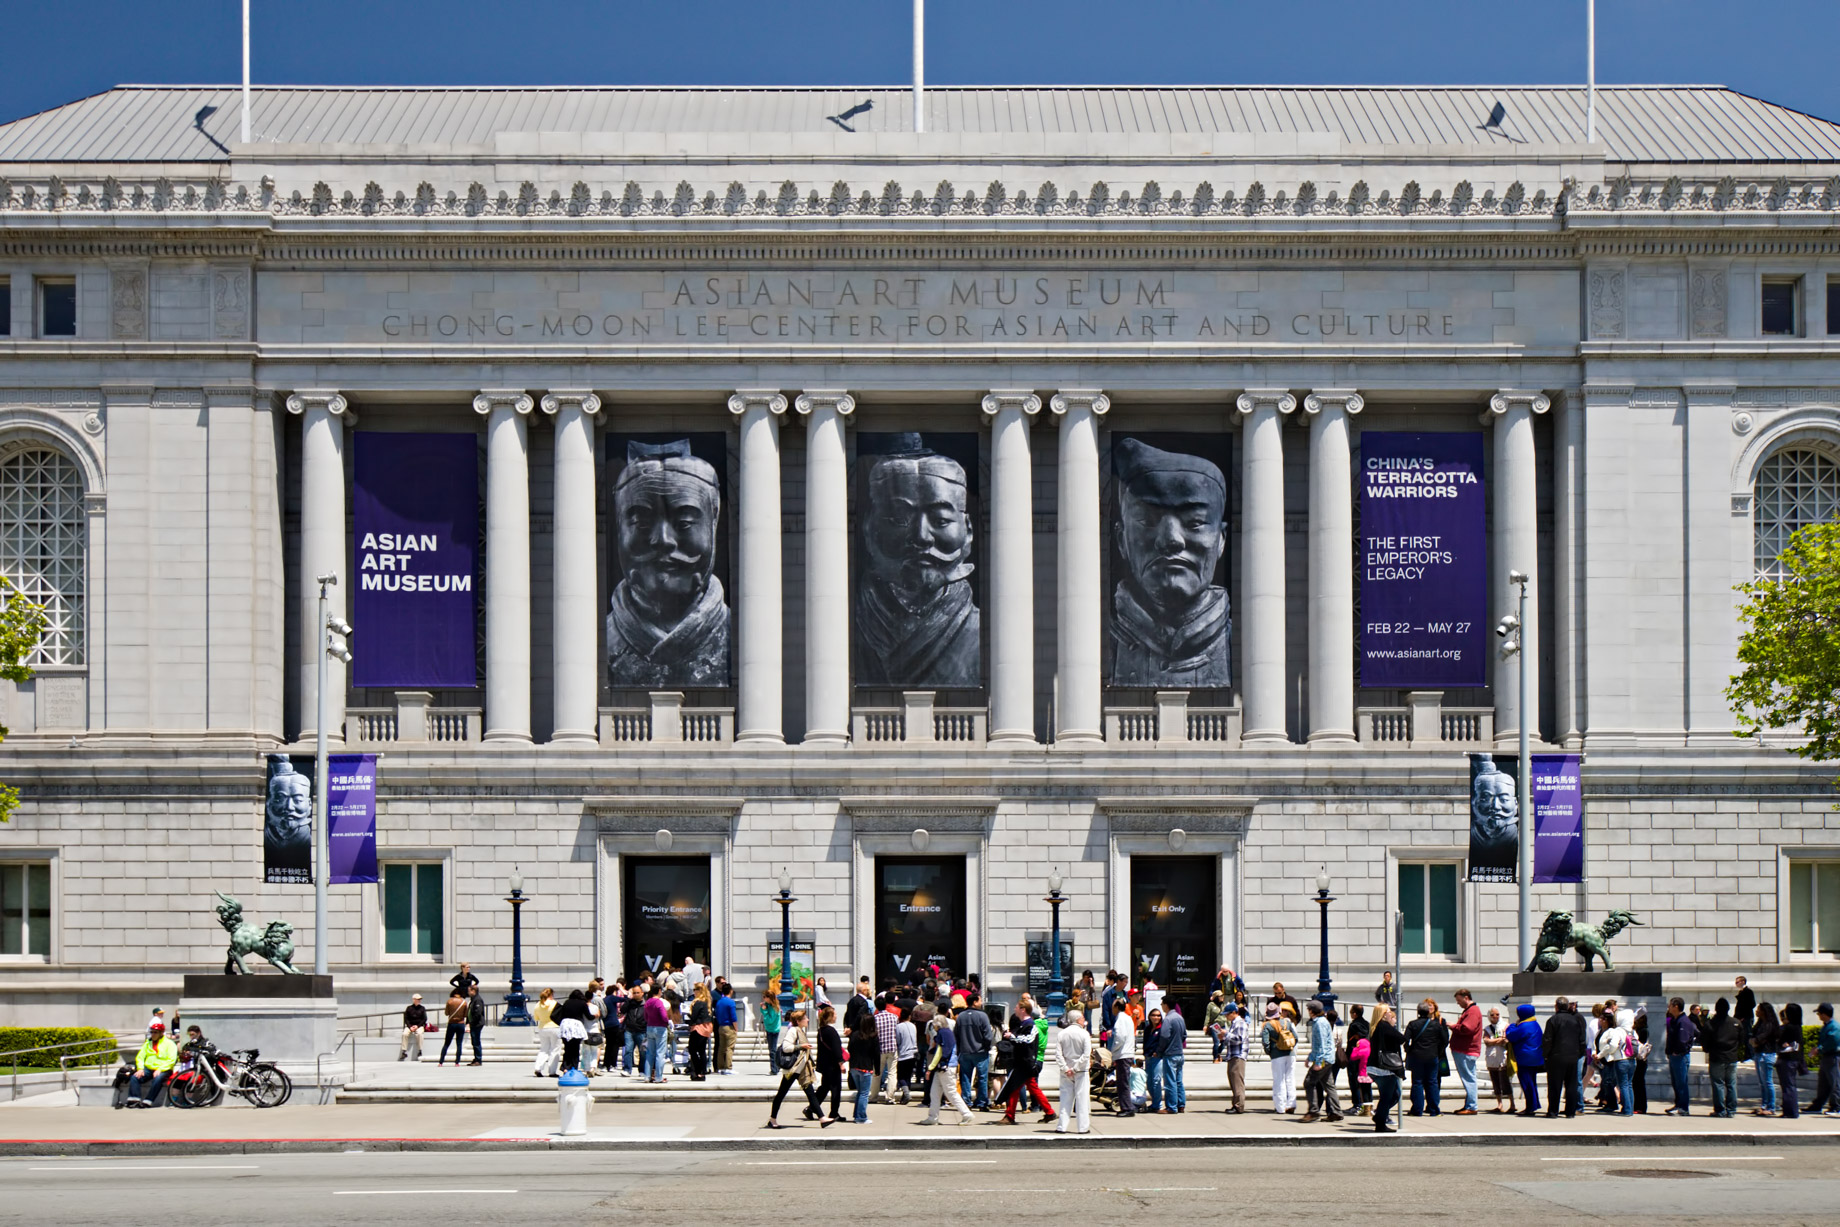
572 1099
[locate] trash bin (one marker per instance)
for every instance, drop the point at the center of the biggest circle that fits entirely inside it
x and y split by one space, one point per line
572 1099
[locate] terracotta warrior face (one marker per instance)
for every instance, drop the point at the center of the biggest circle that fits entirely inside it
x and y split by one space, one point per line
917 534
1173 536
290 806
1493 809
667 529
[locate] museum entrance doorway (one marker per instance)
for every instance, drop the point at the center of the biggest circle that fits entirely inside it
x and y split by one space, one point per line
665 913
919 917
1175 928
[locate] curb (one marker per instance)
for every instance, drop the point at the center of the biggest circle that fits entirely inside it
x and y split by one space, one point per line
120 1148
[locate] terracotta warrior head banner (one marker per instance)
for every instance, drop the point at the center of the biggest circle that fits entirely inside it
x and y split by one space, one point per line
914 617
667 627
1170 619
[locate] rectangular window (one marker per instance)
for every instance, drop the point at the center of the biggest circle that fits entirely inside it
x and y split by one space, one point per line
1428 900
1833 307
6 307
1779 306
412 909
1814 907
25 909
57 306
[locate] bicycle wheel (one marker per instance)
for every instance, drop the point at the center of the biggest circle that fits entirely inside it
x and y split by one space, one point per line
197 1091
267 1086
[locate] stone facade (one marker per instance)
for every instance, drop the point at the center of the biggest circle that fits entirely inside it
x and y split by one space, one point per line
241 322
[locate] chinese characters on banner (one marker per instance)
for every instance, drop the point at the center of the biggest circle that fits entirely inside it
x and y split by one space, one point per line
351 799
1424 561
287 827
1557 795
1558 818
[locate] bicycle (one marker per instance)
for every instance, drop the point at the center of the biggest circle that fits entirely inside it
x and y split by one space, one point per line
217 1074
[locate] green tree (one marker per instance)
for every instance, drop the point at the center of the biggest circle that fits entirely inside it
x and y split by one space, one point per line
1790 649
21 625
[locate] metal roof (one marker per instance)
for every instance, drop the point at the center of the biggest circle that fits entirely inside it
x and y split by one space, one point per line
138 123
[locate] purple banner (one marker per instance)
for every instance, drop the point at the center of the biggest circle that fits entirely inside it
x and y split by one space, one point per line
1558 818
351 800
1424 561
415 525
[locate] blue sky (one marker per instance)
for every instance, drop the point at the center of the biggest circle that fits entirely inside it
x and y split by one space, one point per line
1781 50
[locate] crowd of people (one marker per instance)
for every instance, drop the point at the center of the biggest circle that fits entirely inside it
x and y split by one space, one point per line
1124 1046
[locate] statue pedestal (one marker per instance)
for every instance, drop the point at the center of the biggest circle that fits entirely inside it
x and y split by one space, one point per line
289 1018
1628 987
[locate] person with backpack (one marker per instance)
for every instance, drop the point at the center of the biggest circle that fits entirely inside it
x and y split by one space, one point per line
632 1021
455 1013
1279 1040
791 1054
1616 1056
1427 1038
1385 1065
942 1070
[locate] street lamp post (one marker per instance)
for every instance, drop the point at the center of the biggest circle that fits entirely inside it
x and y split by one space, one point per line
516 1015
785 900
1057 985
1323 900
333 630
1511 630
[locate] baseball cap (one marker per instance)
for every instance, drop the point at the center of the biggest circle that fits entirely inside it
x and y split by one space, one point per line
156 1025
415 996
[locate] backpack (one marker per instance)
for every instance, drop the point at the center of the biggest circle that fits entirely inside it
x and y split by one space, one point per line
1277 1037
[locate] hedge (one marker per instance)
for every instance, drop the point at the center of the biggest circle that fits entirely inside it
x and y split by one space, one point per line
92 1045
1811 1052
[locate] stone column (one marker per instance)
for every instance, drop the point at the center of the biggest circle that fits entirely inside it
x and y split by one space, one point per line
759 701
507 570
323 417
1331 564
576 685
1080 603
1012 566
827 566
1261 641
1516 548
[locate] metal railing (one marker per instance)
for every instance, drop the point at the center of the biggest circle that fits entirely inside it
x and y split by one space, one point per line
96 1056
390 1021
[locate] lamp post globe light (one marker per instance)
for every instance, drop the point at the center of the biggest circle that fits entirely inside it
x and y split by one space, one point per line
785 900
516 1014
1057 985
1323 899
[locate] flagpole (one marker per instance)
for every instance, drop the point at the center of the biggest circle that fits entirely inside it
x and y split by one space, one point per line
245 72
1590 87
919 65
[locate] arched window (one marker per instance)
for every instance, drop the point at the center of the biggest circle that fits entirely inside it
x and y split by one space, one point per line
44 545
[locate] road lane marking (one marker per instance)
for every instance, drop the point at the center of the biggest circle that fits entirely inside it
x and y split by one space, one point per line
869 1162
146 1167
412 1192
1660 1159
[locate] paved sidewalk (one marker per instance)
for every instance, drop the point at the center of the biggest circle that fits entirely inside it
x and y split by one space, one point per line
728 1126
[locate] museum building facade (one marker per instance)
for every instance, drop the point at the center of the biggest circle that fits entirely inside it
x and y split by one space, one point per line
1120 484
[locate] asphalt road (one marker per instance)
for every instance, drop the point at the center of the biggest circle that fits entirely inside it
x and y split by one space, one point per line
1651 1184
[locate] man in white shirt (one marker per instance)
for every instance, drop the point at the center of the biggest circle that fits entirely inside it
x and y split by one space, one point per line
1124 1054
1073 1050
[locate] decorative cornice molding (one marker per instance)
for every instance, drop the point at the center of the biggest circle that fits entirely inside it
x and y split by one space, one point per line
558 399
1080 398
332 402
770 399
999 399
1508 398
641 815
514 399
1345 399
841 401
1212 815
1253 399
902 815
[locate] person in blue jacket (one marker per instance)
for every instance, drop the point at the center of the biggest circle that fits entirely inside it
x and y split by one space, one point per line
1525 1041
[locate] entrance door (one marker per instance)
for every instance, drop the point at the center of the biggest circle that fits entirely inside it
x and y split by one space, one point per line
666 913
919 917
1175 930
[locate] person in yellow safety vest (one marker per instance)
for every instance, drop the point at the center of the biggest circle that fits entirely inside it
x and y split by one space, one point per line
153 1065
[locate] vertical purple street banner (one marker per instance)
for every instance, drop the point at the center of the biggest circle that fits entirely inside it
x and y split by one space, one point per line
1424 560
415 526
351 804
1558 818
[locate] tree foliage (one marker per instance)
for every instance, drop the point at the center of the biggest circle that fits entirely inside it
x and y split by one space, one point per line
21 625
1790 648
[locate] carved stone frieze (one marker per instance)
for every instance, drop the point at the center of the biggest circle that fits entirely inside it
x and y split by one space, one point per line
128 303
1707 301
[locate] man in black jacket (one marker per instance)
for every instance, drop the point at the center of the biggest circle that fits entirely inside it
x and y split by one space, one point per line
476 1022
415 1021
976 1039
1563 1045
1724 1046
858 1008
1744 1009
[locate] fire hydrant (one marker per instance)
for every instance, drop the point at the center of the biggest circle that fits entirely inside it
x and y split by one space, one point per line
572 1099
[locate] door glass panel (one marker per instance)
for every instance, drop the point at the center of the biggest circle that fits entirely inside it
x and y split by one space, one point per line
1827 906
1412 904
666 913
429 938
1441 935
398 909
919 918
1801 908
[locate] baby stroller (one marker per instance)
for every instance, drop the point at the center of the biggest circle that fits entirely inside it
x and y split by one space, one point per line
1100 1080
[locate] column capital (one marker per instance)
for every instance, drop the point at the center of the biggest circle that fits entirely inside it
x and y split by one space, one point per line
514 399
821 398
333 403
1510 398
770 399
1254 399
1346 399
1080 398
558 399
997 400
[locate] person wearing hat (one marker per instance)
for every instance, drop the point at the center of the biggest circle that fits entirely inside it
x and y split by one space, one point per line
1170 620
1528 1044
1280 1040
915 620
153 1065
415 1021
1827 1044
1235 1036
668 625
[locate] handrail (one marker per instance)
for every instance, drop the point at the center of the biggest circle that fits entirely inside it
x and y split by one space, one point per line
319 1081
494 1011
62 1066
